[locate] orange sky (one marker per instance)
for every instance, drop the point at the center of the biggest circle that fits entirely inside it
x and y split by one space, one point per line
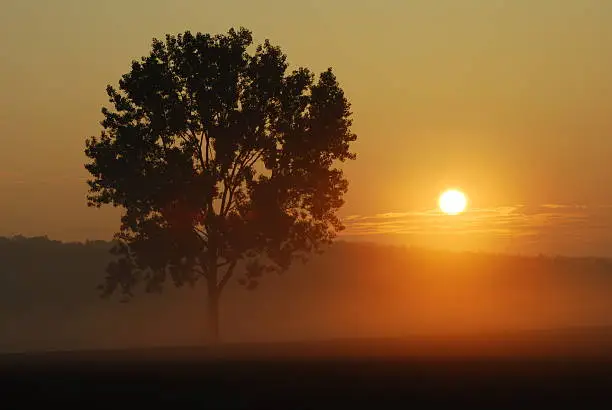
509 100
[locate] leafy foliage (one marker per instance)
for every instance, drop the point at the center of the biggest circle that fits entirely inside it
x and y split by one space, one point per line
218 156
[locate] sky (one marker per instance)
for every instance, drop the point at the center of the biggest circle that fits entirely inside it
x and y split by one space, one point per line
507 100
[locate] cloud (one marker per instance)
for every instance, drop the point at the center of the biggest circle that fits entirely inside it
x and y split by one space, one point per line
563 206
553 226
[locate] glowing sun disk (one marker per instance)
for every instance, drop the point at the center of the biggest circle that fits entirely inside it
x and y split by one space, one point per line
452 202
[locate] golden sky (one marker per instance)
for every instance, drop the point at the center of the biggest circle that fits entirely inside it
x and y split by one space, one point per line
509 100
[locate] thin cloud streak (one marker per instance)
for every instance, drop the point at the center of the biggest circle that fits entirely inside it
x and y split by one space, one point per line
507 220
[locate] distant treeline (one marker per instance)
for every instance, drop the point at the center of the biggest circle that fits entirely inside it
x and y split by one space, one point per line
48 296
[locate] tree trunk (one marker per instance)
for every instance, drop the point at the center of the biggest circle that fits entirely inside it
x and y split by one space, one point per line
213 313
213 301
212 280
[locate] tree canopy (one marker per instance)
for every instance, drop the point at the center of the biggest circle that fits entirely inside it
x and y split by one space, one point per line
218 154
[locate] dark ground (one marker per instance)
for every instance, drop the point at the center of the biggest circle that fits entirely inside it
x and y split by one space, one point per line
535 370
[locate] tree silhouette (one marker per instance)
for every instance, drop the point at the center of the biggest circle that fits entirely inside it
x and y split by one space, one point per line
218 157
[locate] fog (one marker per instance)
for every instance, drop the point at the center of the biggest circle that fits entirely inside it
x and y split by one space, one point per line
49 299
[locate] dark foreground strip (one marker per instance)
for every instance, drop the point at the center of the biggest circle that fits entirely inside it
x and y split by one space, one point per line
312 384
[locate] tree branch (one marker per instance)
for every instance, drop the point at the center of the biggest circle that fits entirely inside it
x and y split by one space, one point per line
228 275
224 197
205 135
183 137
222 264
199 269
228 184
200 141
202 233
247 163
230 203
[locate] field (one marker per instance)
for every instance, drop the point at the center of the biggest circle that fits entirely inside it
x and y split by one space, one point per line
568 366
392 323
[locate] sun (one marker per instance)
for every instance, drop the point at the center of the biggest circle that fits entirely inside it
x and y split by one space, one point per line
452 202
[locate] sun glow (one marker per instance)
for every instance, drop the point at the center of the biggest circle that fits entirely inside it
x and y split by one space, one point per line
452 202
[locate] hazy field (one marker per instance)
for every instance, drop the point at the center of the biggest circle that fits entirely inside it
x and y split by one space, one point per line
48 298
369 324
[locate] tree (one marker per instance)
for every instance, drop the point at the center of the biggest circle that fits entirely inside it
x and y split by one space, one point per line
218 158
